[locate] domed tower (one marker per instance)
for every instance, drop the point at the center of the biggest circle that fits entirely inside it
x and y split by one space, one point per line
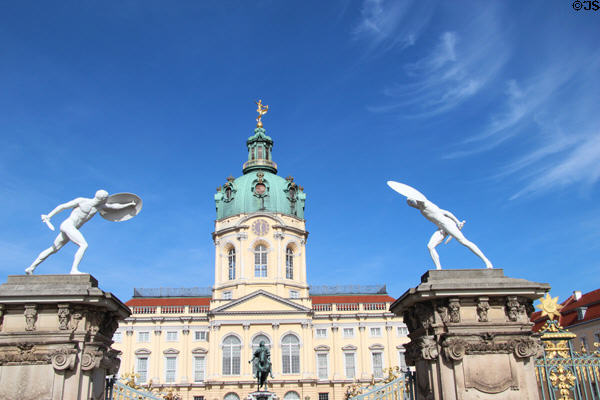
260 233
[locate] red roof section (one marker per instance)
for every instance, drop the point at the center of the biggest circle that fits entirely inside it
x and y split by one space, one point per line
166 301
357 298
568 314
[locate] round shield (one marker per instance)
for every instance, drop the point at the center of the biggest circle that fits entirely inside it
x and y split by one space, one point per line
125 213
408 191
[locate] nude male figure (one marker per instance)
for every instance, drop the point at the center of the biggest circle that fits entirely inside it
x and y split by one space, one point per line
83 210
448 224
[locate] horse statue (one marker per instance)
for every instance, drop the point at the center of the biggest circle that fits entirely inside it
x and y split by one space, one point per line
262 364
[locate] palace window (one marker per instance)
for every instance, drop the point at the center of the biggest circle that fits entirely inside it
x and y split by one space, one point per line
260 261
227 295
118 337
291 396
294 294
170 369
349 365
200 336
376 332
231 263
402 360
289 263
142 369
256 344
377 358
323 396
402 331
322 367
199 368
143 337
290 353
231 396
231 355
348 332
321 332
172 336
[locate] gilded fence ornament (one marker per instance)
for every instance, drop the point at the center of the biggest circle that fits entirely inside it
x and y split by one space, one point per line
550 306
564 380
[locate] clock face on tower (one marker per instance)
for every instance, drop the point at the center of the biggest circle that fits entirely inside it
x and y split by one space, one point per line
260 227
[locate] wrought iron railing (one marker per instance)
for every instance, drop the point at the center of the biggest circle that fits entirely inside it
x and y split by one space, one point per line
116 390
401 388
562 373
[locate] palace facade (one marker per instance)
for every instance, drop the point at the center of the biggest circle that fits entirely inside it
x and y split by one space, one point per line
200 340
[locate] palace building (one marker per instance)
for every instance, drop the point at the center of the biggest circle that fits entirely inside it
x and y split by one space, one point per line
200 340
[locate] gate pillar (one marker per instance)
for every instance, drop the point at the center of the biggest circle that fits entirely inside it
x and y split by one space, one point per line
55 337
471 335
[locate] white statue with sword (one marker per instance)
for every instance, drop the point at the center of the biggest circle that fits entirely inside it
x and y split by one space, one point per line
118 207
449 226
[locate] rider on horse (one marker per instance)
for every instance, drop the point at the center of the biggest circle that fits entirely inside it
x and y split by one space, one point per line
262 363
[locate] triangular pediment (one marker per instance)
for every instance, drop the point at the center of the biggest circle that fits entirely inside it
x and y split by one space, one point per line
261 302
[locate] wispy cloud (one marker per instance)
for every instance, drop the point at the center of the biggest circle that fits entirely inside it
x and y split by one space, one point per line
456 69
385 24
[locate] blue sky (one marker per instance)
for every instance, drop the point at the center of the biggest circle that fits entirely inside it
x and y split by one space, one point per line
489 108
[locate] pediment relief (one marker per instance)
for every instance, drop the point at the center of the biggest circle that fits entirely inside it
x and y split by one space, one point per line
261 302
349 347
322 347
199 350
376 346
142 351
171 351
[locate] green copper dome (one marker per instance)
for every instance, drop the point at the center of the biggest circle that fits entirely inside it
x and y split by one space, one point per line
260 189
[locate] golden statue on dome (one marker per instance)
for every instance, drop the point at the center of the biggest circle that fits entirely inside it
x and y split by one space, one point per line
262 110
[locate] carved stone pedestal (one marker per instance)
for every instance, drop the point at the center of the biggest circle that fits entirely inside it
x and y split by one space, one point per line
55 337
260 395
471 336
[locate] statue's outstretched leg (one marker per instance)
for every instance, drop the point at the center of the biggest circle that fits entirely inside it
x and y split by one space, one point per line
59 242
437 238
76 237
460 238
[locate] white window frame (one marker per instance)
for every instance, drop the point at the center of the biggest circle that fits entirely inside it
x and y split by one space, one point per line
374 334
172 336
200 331
231 261
326 330
289 263
196 372
401 331
228 295
118 337
373 364
239 346
353 354
318 355
291 355
167 357
137 365
294 294
261 270
140 333
402 360
351 335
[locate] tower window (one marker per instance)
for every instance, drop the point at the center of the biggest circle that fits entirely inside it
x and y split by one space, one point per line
289 263
260 261
231 263
260 152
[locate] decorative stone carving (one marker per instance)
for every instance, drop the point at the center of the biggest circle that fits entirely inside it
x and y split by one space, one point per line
483 306
91 359
425 348
76 317
527 347
442 311
93 321
454 348
63 358
30 317
63 316
454 306
424 315
512 308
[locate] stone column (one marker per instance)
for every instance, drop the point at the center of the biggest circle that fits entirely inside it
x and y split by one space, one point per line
471 336
56 336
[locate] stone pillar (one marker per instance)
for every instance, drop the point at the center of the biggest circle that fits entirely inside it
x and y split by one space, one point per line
471 336
56 336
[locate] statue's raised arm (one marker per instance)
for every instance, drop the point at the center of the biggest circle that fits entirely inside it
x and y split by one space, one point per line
118 207
449 226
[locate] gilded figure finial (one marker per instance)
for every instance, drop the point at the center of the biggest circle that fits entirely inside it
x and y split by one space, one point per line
262 110
550 306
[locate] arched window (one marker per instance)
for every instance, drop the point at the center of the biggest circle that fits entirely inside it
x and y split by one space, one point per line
231 355
260 152
289 263
291 395
231 263
260 261
290 353
231 396
256 343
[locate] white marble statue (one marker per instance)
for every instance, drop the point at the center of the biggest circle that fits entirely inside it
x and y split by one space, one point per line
119 207
449 226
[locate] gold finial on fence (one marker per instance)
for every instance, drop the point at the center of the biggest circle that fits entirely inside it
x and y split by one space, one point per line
550 306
